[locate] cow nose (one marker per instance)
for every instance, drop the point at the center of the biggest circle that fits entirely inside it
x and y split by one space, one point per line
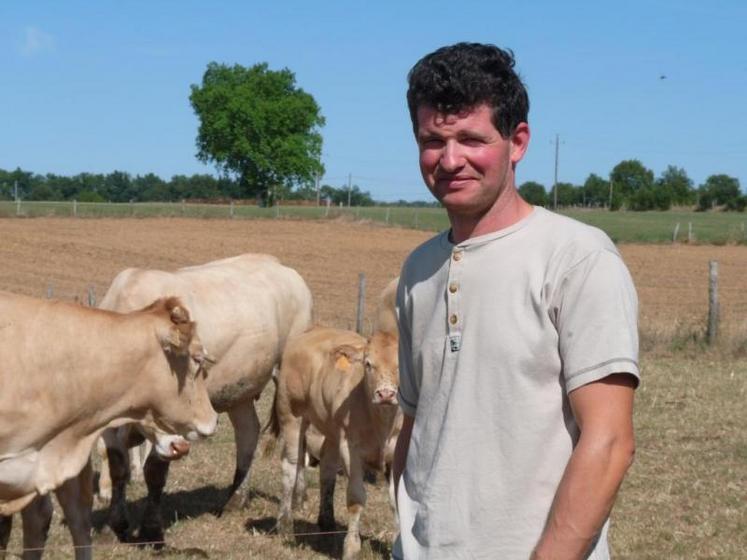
385 395
179 448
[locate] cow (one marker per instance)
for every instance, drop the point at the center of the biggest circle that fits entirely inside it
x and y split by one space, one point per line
70 372
346 387
246 307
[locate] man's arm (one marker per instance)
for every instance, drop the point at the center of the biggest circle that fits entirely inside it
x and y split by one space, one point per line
400 451
604 413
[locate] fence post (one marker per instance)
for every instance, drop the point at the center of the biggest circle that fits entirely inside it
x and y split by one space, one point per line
277 209
361 303
676 231
326 211
230 210
387 215
713 315
75 208
91 296
416 219
132 207
18 206
184 207
689 232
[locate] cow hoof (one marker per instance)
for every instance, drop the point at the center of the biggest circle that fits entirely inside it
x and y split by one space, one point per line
351 548
284 527
236 502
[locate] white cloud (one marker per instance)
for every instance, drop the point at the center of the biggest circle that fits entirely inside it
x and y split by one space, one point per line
35 41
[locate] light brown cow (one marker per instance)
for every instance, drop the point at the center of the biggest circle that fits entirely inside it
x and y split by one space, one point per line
245 307
346 387
69 372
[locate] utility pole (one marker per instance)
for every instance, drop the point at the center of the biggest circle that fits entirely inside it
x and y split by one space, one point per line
350 186
610 205
555 186
15 190
318 194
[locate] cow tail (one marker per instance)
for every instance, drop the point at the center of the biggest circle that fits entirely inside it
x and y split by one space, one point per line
273 423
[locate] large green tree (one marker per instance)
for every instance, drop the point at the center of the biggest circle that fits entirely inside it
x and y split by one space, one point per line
257 124
721 190
596 191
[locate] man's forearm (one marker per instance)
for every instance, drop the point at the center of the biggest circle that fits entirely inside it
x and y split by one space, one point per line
584 497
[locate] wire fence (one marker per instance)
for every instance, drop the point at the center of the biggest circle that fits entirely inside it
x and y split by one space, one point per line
683 227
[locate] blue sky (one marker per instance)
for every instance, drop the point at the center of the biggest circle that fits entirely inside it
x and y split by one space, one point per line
99 86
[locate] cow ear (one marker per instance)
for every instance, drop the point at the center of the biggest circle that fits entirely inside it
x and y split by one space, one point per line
345 354
180 332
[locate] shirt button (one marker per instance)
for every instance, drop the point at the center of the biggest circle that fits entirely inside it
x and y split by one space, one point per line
453 319
453 287
457 255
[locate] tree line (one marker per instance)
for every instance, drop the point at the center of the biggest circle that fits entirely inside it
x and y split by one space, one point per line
634 187
262 132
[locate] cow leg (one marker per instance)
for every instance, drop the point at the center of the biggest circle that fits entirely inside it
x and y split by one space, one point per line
119 471
104 486
246 434
76 499
356 498
294 483
37 516
156 471
328 465
6 524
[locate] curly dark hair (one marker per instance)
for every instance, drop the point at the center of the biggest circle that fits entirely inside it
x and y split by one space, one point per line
461 76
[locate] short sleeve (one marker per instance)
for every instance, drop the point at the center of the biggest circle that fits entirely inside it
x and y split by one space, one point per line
408 388
597 320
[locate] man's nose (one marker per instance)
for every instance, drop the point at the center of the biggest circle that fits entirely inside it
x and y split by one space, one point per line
452 158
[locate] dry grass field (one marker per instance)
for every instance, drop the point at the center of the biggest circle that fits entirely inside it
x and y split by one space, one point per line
684 497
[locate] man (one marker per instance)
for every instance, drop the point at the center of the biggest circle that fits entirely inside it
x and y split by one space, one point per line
518 341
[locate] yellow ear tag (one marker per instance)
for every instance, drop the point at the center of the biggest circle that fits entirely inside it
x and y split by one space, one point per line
342 362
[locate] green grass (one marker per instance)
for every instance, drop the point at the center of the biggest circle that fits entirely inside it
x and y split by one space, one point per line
716 228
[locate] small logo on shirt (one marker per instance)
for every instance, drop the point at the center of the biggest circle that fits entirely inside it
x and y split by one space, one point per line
455 342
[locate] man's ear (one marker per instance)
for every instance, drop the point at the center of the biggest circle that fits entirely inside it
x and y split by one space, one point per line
519 142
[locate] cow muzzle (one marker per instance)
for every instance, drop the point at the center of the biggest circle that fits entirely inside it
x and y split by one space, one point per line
385 395
170 447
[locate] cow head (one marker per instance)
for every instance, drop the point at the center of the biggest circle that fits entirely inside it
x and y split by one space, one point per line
180 401
382 368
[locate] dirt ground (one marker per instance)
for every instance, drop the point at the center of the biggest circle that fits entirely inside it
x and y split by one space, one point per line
66 256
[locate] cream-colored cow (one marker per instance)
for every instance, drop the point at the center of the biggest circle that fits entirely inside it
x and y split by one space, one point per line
246 307
346 387
69 372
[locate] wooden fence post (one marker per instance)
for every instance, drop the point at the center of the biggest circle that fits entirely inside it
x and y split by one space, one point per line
75 208
361 303
18 206
676 231
416 219
713 315
387 215
230 210
689 232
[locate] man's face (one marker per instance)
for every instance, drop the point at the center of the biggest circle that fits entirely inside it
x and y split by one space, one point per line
464 160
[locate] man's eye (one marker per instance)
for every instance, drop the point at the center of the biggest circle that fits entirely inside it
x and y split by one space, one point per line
431 143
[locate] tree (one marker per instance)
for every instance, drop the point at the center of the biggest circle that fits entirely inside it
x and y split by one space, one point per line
257 124
630 176
533 193
720 190
596 191
680 186
568 195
